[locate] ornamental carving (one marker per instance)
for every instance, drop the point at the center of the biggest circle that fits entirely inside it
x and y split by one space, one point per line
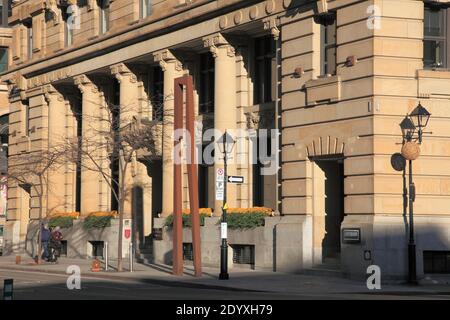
271 25
260 119
165 57
120 71
218 42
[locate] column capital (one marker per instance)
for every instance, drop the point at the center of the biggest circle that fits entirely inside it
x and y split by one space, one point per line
84 83
50 93
120 71
271 24
216 43
166 57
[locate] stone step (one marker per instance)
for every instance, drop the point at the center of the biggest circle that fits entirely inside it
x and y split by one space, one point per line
144 260
324 271
146 250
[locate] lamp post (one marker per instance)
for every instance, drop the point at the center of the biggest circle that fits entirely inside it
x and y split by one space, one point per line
226 144
417 120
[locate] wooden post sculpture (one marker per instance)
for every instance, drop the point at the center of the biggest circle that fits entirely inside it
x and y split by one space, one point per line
179 86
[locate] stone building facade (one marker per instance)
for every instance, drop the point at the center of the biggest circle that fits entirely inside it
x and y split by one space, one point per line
335 78
5 43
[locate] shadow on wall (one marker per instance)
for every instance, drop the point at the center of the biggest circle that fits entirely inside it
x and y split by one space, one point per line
298 6
385 244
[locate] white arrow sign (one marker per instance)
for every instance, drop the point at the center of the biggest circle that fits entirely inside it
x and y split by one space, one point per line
235 179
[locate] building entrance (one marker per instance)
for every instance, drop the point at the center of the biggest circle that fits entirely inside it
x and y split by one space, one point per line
329 208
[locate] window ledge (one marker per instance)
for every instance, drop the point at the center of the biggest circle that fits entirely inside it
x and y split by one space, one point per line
433 83
324 89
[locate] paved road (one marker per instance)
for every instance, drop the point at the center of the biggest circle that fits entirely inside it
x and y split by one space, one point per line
41 286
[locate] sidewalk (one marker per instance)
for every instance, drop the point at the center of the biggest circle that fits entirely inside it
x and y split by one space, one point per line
243 280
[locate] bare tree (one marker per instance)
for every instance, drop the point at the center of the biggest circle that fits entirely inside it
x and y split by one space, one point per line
31 170
116 135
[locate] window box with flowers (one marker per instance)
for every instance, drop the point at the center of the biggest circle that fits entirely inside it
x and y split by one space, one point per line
204 213
62 219
237 218
99 220
247 218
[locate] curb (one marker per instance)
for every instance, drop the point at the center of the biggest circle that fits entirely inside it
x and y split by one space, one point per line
163 282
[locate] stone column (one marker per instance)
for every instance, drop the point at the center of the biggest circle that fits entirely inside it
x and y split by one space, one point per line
172 69
225 113
91 109
56 201
129 109
71 173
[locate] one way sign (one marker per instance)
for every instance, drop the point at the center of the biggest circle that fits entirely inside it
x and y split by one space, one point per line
236 179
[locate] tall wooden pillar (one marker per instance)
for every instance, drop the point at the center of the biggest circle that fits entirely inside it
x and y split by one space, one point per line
179 85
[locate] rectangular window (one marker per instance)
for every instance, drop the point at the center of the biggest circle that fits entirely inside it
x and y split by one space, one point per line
68 30
63 251
265 52
327 43
207 74
29 40
243 254
97 249
435 42
104 16
3 59
2 11
145 8
436 261
188 252
26 127
5 12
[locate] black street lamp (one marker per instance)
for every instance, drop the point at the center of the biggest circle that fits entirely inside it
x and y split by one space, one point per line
420 117
226 144
416 121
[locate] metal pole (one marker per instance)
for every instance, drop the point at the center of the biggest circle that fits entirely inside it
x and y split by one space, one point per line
131 256
411 244
106 255
224 248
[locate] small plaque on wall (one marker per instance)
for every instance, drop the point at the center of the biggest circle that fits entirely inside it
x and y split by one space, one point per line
351 235
157 234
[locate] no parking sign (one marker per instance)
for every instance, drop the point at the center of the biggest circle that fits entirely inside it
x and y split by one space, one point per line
220 184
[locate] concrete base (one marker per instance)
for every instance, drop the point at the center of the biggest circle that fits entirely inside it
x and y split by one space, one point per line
278 245
11 238
79 240
385 240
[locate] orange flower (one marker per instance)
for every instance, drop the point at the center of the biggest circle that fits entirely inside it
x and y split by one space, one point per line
205 211
103 214
264 210
73 215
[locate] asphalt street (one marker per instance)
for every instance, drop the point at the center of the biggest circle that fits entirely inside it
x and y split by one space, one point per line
42 286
